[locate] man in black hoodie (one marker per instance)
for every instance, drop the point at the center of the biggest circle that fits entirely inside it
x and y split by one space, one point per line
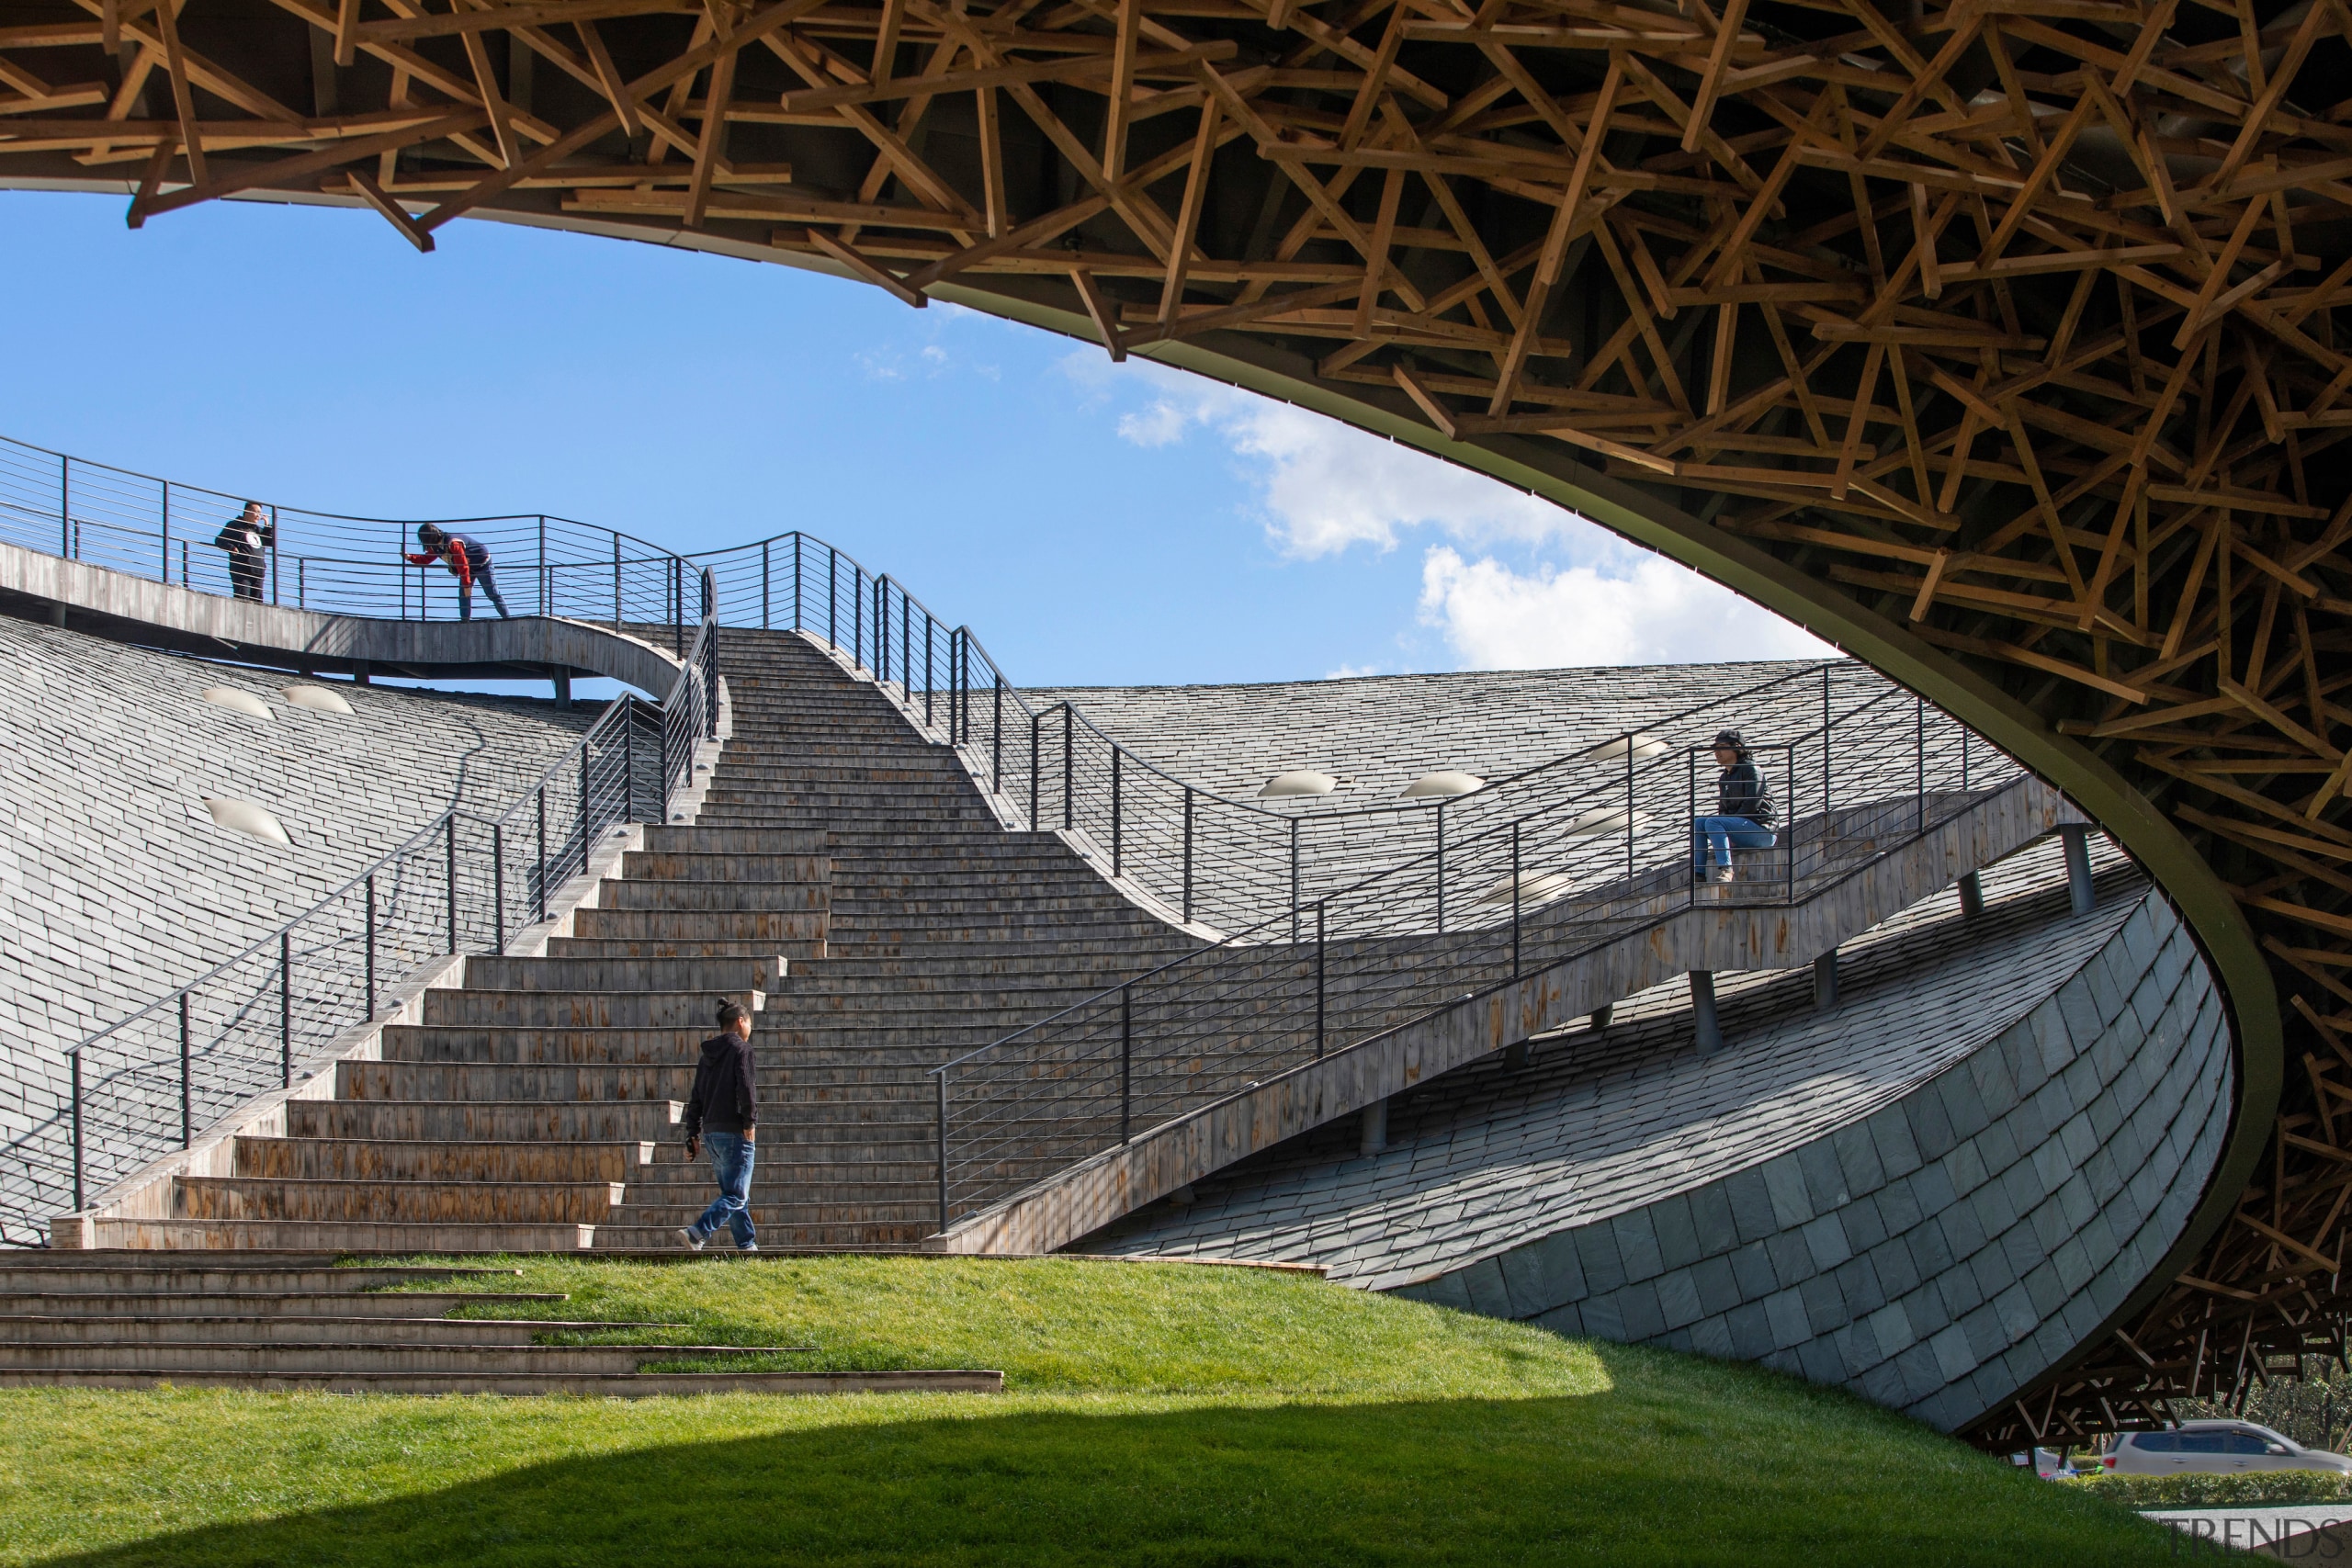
724 1111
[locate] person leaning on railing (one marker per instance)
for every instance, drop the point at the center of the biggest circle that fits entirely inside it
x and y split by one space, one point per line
469 563
245 537
1744 812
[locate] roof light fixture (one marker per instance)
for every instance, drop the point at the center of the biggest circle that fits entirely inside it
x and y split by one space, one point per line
1441 785
248 817
235 701
320 699
1296 783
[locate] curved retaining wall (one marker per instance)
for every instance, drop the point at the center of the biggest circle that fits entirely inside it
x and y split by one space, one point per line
1946 1250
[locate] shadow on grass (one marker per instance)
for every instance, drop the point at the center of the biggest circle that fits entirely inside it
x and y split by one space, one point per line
1465 1481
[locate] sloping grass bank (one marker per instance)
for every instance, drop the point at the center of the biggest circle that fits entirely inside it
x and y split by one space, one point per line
1153 1415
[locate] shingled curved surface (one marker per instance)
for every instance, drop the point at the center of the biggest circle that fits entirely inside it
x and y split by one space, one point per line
121 885
1933 1194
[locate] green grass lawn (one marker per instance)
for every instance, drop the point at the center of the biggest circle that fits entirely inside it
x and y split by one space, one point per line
1153 1415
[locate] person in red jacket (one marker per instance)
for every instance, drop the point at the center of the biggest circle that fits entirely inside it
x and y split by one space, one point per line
724 1111
469 563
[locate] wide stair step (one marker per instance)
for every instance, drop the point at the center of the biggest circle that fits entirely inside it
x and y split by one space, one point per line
733 975
372 1159
396 1202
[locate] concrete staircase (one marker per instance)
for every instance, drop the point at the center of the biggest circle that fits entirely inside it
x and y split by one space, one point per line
292 1320
844 879
945 932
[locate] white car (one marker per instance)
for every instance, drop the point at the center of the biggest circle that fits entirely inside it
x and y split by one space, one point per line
2213 1447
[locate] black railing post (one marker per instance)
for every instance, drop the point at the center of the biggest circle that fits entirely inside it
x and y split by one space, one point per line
710 656
928 679
1067 726
1126 1063
1034 720
1441 868
677 607
285 1009
1318 976
1514 901
187 1124
942 1125
451 878
629 784
77 1129
543 836
833 599
796 579
1117 823
1294 879
1919 765
996 739
616 580
1629 813
1188 853
1825 759
545 594
857 618
906 638
1700 862
498 889
768 547
1790 826
370 893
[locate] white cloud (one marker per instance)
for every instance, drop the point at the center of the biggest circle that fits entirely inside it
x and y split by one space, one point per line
1158 425
1588 597
1322 485
1352 672
1647 611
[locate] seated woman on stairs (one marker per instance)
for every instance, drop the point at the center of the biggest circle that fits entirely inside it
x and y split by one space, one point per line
1744 812
724 1110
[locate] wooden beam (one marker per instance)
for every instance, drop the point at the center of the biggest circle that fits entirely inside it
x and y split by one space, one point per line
1105 314
858 264
394 213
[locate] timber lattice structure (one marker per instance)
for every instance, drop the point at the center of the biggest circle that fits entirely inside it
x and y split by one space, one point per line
1996 343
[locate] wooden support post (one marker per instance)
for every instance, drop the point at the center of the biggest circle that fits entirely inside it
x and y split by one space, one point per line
1706 1024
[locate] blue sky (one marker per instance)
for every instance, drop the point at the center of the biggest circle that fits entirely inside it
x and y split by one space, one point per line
1093 523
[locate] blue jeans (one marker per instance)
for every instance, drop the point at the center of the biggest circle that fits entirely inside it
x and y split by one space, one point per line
488 583
730 1163
1723 833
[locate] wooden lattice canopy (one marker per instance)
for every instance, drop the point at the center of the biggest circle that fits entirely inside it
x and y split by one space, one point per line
1996 343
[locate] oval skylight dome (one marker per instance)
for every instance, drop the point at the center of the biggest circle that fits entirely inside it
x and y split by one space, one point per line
1602 820
1645 746
236 701
248 817
1534 887
320 699
1298 782
1445 782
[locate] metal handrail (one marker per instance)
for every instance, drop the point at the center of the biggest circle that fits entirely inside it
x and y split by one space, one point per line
1218 1008
1398 871
688 716
1217 863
